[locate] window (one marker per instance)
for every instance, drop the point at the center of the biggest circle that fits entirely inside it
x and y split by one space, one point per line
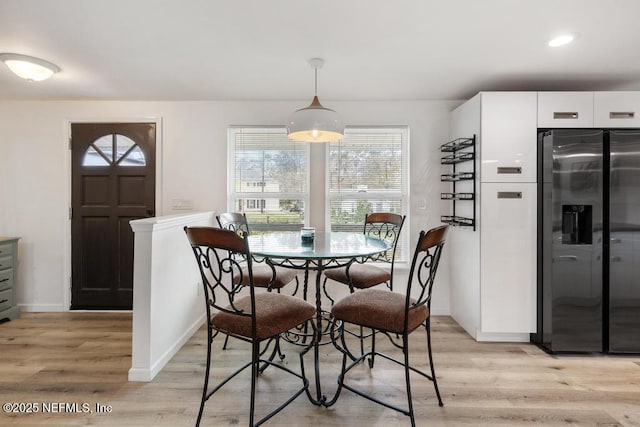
269 179
367 172
114 149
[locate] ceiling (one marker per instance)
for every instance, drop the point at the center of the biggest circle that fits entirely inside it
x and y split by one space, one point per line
374 49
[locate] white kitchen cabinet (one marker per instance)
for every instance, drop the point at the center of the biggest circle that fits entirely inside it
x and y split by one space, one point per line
508 258
493 270
616 109
565 109
508 150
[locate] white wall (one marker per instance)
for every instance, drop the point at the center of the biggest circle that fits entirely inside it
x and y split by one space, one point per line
167 294
35 170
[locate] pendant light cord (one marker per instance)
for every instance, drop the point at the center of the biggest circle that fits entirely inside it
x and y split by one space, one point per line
316 79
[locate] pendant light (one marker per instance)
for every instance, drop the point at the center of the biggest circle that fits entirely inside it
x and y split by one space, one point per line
315 123
28 67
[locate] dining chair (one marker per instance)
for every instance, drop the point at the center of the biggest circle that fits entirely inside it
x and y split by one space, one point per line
382 225
264 275
253 318
395 315
358 275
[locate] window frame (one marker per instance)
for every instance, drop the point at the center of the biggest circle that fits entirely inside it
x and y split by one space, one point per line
404 195
232 195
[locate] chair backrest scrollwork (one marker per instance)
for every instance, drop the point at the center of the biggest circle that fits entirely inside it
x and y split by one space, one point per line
217 253
424 266
386 226
234 221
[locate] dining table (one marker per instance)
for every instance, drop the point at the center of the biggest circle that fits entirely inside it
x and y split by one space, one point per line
326 250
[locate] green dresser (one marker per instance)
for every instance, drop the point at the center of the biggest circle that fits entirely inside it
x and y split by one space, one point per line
8 273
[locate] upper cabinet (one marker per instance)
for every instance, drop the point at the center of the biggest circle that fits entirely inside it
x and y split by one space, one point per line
508 142
565 109
616 109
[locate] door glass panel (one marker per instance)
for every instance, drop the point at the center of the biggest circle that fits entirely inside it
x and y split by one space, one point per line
93 158
135 157
123 144
105 144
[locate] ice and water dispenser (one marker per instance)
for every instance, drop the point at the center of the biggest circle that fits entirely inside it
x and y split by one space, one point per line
577 225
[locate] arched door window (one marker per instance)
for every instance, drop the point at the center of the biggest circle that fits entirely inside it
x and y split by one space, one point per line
114 149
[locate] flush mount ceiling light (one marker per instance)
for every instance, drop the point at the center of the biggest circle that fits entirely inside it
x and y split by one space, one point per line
561 40
28 67
315 123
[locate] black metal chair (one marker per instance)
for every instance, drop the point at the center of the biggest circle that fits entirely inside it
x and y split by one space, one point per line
264 274
383 225
255 318
358 275
395 315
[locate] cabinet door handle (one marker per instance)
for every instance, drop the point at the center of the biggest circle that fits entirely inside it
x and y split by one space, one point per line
621 114
506 169
567 258
565 114
509 195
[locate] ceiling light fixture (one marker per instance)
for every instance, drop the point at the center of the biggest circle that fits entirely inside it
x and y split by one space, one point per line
28 67
561 40
315 123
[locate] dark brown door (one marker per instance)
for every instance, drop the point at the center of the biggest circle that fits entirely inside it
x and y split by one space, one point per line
112 182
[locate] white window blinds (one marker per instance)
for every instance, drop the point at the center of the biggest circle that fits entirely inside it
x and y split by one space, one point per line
270 178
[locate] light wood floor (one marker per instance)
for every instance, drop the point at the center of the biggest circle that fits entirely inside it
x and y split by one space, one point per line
84 358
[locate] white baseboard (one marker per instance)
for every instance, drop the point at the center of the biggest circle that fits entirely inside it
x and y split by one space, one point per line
440 311
146 375
42 308
502 337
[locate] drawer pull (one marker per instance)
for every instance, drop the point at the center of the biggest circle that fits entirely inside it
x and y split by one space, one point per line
567 258
3 301
565 114
509 195
4 280
505 169
621 114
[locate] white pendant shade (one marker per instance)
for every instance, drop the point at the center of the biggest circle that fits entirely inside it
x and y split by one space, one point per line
28 67
315 123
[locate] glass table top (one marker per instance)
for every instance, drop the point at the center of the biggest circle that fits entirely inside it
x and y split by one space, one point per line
326 245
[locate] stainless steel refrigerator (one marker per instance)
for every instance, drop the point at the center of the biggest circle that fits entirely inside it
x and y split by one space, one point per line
589 240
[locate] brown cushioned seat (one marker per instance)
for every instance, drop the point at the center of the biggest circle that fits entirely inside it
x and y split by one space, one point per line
275 313
378 309
363 276
262 275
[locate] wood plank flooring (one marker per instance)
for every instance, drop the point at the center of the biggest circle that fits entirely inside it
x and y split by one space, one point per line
55 359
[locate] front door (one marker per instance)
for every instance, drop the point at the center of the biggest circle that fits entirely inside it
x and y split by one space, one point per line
112 182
